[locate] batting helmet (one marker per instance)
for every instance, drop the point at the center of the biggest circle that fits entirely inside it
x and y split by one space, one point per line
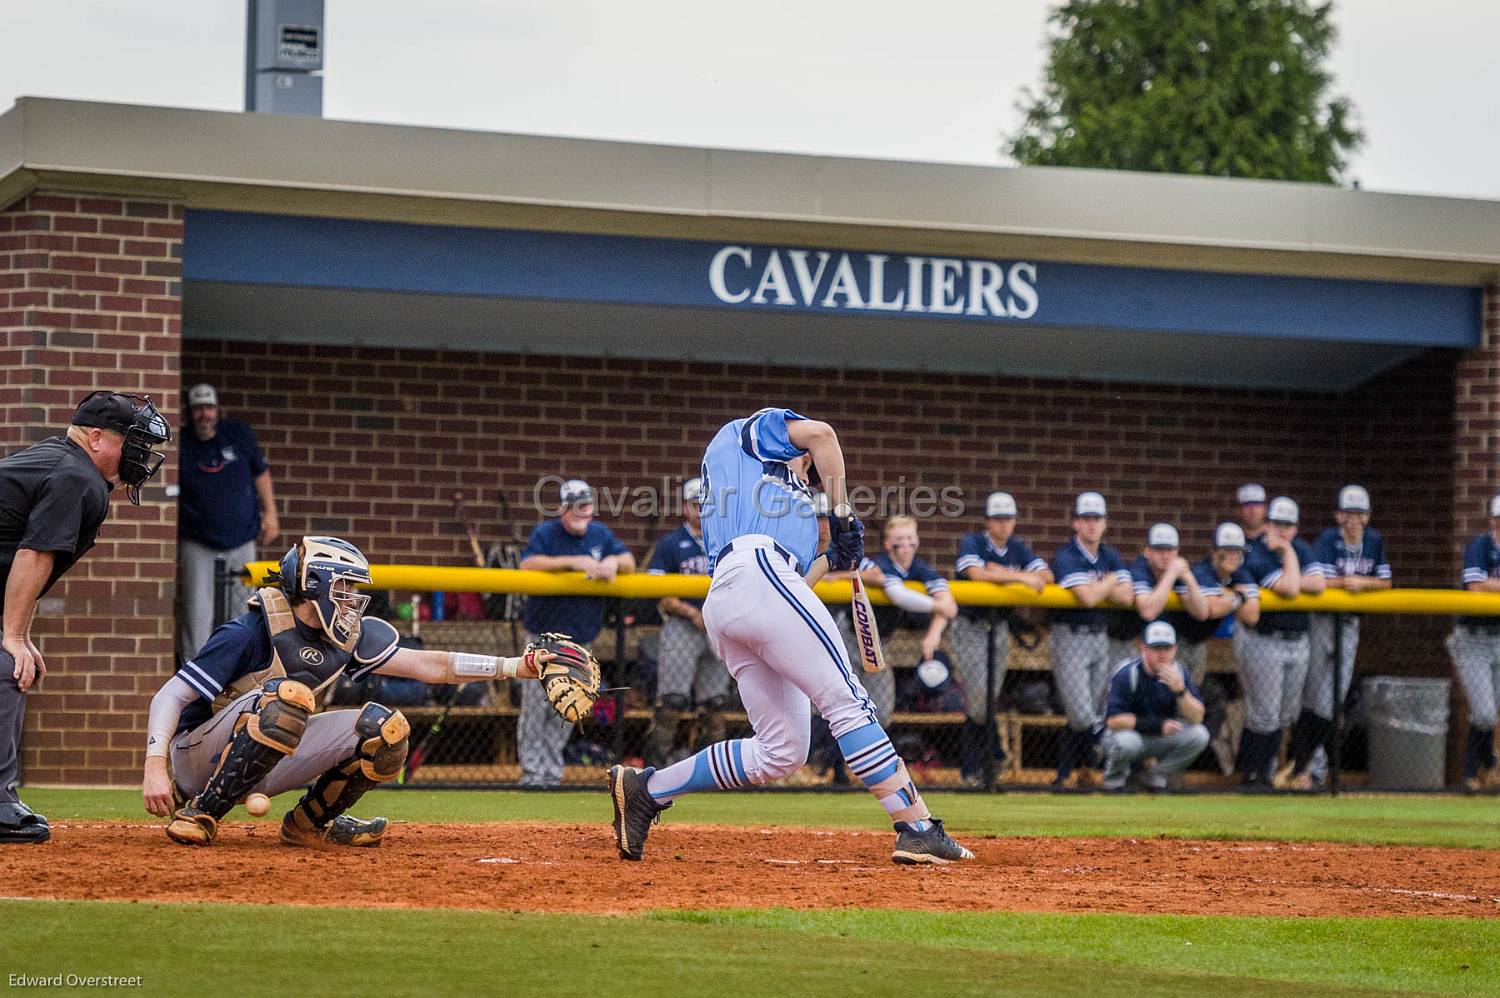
323 571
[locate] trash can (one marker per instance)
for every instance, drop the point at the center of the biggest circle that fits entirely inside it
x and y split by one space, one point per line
1408 731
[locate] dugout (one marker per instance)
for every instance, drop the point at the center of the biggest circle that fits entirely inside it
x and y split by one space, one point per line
404 312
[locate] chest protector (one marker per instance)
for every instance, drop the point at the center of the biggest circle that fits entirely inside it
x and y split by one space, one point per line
313 662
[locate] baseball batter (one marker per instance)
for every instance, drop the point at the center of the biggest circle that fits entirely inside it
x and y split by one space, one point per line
242 716
1272 656
777 639
994 554
687 672
1350 556
1475 647
1081 661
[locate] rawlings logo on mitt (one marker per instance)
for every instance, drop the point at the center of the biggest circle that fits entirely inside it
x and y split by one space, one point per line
571 679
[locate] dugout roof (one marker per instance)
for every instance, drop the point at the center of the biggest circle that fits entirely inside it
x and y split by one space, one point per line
313 230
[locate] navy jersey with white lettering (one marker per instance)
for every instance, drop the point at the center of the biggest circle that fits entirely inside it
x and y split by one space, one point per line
1073 567
1143 579
978 549
892 618
1481 562
748 488
679 553
1336 559
579 617
1209 584
1264 566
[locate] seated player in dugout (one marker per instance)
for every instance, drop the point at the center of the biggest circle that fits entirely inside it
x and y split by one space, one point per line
242 716
928 612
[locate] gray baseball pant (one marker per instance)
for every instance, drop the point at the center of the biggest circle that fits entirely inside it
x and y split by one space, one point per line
540 735
329 740
1476 660
1273 670
686 664
1317 692
1081 667
1173 753
970 661
195 581
12 714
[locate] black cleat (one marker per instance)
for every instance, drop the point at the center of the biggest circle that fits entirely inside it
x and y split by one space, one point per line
635 810
931 846
345 830
20 825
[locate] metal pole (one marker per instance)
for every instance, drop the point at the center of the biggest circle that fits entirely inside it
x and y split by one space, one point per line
1336 738
619 680
222 580
991 739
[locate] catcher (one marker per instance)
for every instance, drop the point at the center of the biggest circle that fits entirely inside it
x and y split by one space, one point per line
242 717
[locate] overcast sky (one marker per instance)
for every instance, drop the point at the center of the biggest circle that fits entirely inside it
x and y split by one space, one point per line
931 80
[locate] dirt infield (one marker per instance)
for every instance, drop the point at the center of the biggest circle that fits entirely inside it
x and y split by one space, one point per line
557 867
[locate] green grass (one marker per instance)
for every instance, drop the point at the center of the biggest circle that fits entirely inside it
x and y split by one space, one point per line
228 950
1389 820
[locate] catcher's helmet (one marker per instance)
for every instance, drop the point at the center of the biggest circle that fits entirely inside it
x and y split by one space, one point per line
324 571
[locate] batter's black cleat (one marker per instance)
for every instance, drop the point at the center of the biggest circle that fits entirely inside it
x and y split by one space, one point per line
20 825
635 810
931 846
345 830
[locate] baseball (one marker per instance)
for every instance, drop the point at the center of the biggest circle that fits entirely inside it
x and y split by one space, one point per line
258 805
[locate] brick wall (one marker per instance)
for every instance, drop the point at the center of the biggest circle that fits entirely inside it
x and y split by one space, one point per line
90 297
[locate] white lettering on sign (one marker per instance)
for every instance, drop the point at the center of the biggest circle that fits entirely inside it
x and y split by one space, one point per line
739 275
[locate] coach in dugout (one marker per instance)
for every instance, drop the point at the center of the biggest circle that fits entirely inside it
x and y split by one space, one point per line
1154 712
574 542
54 496
227 505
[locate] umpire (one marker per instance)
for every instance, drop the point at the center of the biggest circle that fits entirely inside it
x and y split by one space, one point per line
54 496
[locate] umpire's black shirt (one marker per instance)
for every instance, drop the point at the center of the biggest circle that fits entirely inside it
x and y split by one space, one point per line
52 498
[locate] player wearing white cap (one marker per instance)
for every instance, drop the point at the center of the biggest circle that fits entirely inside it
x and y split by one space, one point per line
1081 665
994 554
1154 712
688 673
1251 498
1272 656
1475 647
1156 574
1351 557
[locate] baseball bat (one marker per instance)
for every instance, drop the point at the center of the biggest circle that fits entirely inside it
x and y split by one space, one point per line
866 635
469 528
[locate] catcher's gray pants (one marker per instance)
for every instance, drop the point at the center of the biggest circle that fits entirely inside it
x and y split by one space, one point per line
329 740
881 686
195 581
1273 669
1317 692
540 735
686 664
969 661
1173 753
1081 667
1193 656
12 713
1476 659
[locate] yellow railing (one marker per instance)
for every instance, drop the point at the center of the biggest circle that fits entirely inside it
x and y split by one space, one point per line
426 578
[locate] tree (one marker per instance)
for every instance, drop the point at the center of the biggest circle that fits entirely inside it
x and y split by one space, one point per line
1230 88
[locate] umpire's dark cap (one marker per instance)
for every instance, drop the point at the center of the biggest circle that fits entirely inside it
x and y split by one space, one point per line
107 411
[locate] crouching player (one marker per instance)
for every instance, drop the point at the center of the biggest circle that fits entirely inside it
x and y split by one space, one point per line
242 716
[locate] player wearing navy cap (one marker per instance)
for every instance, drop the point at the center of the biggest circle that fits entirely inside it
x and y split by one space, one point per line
928 612
573 542
994 554
1154 712
1272 656
1475 648
687 672
1351 557
1094 572
1159 572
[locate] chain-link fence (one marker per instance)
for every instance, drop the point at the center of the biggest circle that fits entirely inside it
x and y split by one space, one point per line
1301 701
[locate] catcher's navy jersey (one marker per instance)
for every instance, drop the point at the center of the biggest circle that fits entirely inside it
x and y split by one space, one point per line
978 549
1264 566
748 488
1336 559
1074 567
679 553
890 618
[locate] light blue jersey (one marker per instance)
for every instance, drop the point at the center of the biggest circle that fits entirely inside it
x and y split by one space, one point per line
748 488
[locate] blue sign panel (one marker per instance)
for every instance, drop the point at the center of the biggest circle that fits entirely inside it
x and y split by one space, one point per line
241 248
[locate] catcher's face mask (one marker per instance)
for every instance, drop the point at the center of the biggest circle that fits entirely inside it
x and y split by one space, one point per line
324 571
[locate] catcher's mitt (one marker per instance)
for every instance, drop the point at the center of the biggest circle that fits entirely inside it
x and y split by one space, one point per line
571 679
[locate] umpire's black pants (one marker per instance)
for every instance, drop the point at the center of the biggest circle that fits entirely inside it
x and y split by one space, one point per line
12 713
